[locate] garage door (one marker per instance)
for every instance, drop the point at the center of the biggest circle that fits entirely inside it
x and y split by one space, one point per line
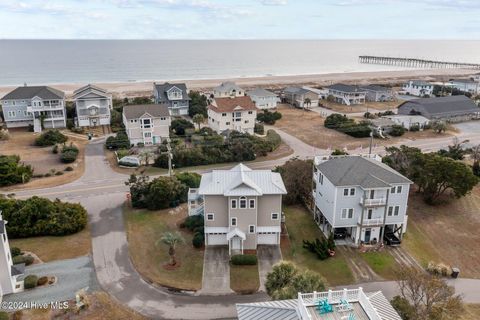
215 239
267 238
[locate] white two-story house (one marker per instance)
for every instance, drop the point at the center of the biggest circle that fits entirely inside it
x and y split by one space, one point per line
37 106
148 123
242 207
360 195
347 94
263 99
235 113
228 89
92 105
9 273
174 95
417 88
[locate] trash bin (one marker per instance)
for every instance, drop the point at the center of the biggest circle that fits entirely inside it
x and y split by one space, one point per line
455 272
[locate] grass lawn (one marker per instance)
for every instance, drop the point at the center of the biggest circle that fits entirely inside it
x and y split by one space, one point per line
56 248
244 279
382 263
300 225
144 228
472 312
446 233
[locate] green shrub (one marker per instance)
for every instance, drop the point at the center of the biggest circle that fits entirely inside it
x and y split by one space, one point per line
269 117
30 281
55 149
68 168
13 172
68 156
122 153
193 222
41 217
414 128
259 128
42 280
27 259
70 124
46 175
50 138
120 141
244 260
335 120
190 179
15 251
198 240
59 173
397 130
403 307
181 127
4 316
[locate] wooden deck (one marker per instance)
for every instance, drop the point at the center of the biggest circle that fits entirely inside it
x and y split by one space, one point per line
335 315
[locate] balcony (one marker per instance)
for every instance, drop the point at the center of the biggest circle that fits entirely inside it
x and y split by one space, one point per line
371 222
376 202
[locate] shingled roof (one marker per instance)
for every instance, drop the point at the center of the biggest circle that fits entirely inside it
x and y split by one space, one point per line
345 88
136 111
232 104
28 92
441 105
162 90
360 171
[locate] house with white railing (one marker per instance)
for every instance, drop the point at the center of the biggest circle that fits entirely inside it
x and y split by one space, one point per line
346 304
359 199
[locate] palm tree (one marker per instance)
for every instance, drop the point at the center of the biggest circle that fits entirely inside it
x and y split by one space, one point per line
306 102
171 239
198 119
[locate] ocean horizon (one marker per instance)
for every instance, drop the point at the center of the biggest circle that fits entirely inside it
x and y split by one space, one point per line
92 61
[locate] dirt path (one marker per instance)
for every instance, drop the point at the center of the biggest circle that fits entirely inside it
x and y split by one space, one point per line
361 270
403 258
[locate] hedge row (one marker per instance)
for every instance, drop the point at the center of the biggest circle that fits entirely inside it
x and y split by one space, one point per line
50 138
244 260
13 172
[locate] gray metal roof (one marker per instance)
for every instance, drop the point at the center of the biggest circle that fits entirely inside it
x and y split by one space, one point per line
89 88
163 88
28 92
383 306
228 86
155 110
295 90
441 105
464 81
360 171
420 83
280 309
259 92
345 88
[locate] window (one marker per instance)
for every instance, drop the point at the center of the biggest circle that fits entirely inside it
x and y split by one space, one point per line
390 211
345 192
243 203
251 228
25 113
320 178
234 204
250 112
238 119
11 114
224 114
349 192
274 216
148 134
347 213
210 216
233 222
246 121
163 118
397 189
227 123
396 211
146 123
238 114
393 211
251 203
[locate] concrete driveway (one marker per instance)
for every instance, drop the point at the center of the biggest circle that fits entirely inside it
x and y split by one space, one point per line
267 257
216 271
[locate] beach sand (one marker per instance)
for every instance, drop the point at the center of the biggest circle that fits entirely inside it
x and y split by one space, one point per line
131 89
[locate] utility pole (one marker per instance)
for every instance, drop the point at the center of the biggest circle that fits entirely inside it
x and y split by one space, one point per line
371 142
170 157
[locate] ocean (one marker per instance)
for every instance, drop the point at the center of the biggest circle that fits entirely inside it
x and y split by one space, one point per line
88 61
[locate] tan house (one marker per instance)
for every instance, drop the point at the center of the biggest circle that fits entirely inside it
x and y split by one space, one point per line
242 207
228 89
148 124
235 113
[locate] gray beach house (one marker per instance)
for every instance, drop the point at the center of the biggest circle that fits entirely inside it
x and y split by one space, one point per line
174 95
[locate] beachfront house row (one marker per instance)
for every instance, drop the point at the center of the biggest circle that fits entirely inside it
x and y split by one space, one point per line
235 113
347 94
147 124
174 95
300 97
10 273
359 198
263 99
92 105
450 109
378 93
346 304
466 85
228 89
242 207
417 88
37 106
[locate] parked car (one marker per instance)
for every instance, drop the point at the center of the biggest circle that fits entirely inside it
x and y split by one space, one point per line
340 233
391 239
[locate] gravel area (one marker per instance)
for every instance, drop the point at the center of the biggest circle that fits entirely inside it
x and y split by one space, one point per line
72 275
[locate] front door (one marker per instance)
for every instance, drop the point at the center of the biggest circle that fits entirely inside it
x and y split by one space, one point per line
236 243
368 233
93 122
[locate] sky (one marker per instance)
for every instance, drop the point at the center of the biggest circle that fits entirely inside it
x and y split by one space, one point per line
240 19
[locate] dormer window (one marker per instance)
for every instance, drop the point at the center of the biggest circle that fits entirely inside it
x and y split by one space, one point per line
146 123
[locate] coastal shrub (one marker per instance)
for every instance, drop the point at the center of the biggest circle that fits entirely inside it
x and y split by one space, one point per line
70 124
122 153
68 168
193 222
397 130
190 179
198 104
27 259
198 240
322 248
244 260
369 115
15 251
414 128
59 173
4 135
42 217
55 149
50 138
259 128
181 127
42 280
269 117
119 141
336 120
68 156
348 126
13 172
30 281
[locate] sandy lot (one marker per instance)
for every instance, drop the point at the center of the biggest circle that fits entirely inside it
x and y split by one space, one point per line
372 107
42 159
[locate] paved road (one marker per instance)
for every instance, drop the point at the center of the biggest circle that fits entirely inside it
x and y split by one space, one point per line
72 275
102 192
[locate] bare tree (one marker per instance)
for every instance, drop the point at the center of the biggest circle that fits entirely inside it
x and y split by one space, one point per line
430 296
